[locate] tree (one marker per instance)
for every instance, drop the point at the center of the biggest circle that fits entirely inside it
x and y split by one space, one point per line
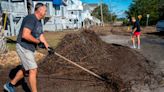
106 13
161 9
144 7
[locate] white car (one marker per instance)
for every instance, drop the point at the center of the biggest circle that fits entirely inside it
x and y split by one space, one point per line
160 26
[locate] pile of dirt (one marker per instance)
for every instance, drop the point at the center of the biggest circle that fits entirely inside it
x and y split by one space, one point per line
123 66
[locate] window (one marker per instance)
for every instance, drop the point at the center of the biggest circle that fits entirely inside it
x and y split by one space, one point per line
75 21
70 20
17 0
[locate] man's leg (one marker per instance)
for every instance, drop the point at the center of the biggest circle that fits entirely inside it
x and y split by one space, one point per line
10 85
29 64
32 79
18 76
139 42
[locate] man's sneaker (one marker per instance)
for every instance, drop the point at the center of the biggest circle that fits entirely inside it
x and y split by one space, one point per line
8 87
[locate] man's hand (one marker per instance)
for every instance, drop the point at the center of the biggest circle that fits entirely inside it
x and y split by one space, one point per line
51 51
41 45
43 40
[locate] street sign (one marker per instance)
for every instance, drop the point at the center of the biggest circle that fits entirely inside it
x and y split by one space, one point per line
148 15
147 21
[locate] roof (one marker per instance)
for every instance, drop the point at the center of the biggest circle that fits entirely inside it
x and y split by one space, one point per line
93 5
90 6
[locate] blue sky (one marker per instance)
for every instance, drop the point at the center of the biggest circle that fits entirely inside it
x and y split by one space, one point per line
118 6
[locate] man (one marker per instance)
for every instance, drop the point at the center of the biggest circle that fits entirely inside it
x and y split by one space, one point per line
30 35
136 33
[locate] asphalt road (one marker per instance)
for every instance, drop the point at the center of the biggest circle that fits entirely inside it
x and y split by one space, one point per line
152 48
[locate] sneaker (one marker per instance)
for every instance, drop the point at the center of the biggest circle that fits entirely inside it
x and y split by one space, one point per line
133 47
139 47
8 87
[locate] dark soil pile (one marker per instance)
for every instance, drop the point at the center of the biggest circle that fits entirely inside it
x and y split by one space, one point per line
120 64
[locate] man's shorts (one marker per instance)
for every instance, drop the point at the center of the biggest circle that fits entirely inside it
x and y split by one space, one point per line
136 33
27 58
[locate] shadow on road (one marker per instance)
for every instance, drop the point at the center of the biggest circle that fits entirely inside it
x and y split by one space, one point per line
10 41
161 34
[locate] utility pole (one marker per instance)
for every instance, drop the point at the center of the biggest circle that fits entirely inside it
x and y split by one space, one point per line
147 21
102 21
110 6
29 6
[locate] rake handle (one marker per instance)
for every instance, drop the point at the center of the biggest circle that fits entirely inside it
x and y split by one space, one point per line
77 65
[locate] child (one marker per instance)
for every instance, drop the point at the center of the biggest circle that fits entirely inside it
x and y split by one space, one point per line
136 33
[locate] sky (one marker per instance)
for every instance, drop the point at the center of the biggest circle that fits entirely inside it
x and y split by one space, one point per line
117 6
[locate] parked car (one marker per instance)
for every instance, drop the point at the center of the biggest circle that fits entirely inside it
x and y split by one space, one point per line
160 26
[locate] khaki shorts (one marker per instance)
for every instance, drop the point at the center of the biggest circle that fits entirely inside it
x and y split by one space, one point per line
27 58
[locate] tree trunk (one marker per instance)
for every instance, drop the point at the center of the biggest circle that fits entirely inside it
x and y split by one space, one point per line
3 47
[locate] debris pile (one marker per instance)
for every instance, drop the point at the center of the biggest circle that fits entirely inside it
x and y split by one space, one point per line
122 65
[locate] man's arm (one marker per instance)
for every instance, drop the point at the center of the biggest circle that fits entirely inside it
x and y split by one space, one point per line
27 36
43 40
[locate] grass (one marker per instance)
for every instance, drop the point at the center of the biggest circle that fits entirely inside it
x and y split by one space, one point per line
53 38
11 42
11 46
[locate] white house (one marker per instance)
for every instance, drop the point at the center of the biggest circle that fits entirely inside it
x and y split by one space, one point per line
70 14
14 11
86 16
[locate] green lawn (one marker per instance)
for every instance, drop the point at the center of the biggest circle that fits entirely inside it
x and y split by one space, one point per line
53 38
11 41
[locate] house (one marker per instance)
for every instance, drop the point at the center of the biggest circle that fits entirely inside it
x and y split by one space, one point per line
14 12
65 16
92 6
61 14
88 19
